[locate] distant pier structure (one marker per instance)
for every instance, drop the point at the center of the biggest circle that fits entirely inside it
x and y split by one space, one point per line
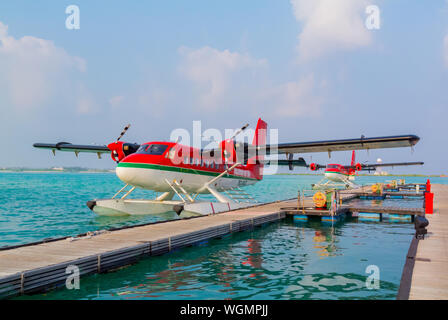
379 171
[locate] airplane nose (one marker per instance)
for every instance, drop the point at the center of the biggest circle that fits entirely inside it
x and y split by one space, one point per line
91 204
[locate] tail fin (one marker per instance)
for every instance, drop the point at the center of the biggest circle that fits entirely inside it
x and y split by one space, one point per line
259 140
260 133
353 158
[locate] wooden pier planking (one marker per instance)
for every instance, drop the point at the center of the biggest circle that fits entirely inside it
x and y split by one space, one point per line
381 209
430 272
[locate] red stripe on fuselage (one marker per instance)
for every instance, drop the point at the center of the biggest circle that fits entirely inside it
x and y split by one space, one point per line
184 152
337 168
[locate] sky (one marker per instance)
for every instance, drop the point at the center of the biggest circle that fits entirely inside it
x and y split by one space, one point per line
311 69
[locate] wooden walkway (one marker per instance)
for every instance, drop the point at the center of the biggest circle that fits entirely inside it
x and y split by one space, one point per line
430 272
30 269
306 208
349 209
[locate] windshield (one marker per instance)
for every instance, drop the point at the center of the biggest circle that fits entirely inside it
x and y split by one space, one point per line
332 166
153 149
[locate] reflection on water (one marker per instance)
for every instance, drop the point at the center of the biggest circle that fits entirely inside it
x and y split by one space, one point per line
120 221
324 242
279 261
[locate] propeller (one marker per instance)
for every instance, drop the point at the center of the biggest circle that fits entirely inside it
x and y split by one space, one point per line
237 132
123 132
119 150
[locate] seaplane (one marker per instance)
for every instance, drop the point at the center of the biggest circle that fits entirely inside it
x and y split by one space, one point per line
342 176
175 169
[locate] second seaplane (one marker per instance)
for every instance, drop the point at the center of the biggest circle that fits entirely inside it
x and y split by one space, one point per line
342 176
174 169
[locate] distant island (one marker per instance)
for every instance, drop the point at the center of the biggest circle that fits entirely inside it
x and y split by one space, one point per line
56 169
90 170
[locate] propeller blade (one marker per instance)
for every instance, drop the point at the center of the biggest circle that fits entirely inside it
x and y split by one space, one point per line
124 131
239 131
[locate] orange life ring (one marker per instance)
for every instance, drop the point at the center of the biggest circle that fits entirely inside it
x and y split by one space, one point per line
319 199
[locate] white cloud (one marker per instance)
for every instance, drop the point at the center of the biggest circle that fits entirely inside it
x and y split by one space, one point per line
85 103
213 71
295 98
154 101
329 26
445 48
231 81
116 101
34 70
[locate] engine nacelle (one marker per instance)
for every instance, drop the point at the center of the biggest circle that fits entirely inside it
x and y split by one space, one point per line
228 154
313 167
358 167
119 150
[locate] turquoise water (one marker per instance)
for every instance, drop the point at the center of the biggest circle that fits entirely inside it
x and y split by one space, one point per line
281 261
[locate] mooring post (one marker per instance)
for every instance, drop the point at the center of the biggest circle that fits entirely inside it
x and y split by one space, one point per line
429 202
303 202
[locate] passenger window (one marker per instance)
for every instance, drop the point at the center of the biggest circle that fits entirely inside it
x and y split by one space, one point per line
171 153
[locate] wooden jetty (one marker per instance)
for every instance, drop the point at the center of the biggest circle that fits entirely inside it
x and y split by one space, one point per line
425 273
391 194
306 208
382 209
30 269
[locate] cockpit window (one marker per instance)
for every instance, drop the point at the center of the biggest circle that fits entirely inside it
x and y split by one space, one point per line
332 166
152 149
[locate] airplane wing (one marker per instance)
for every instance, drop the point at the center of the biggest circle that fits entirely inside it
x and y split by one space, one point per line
370 167
341 145
118 150
77 148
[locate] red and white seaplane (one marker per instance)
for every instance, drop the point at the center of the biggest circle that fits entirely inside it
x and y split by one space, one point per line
175 169
338 175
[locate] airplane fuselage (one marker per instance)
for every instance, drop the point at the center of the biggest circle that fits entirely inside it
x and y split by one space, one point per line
339 173
155 163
